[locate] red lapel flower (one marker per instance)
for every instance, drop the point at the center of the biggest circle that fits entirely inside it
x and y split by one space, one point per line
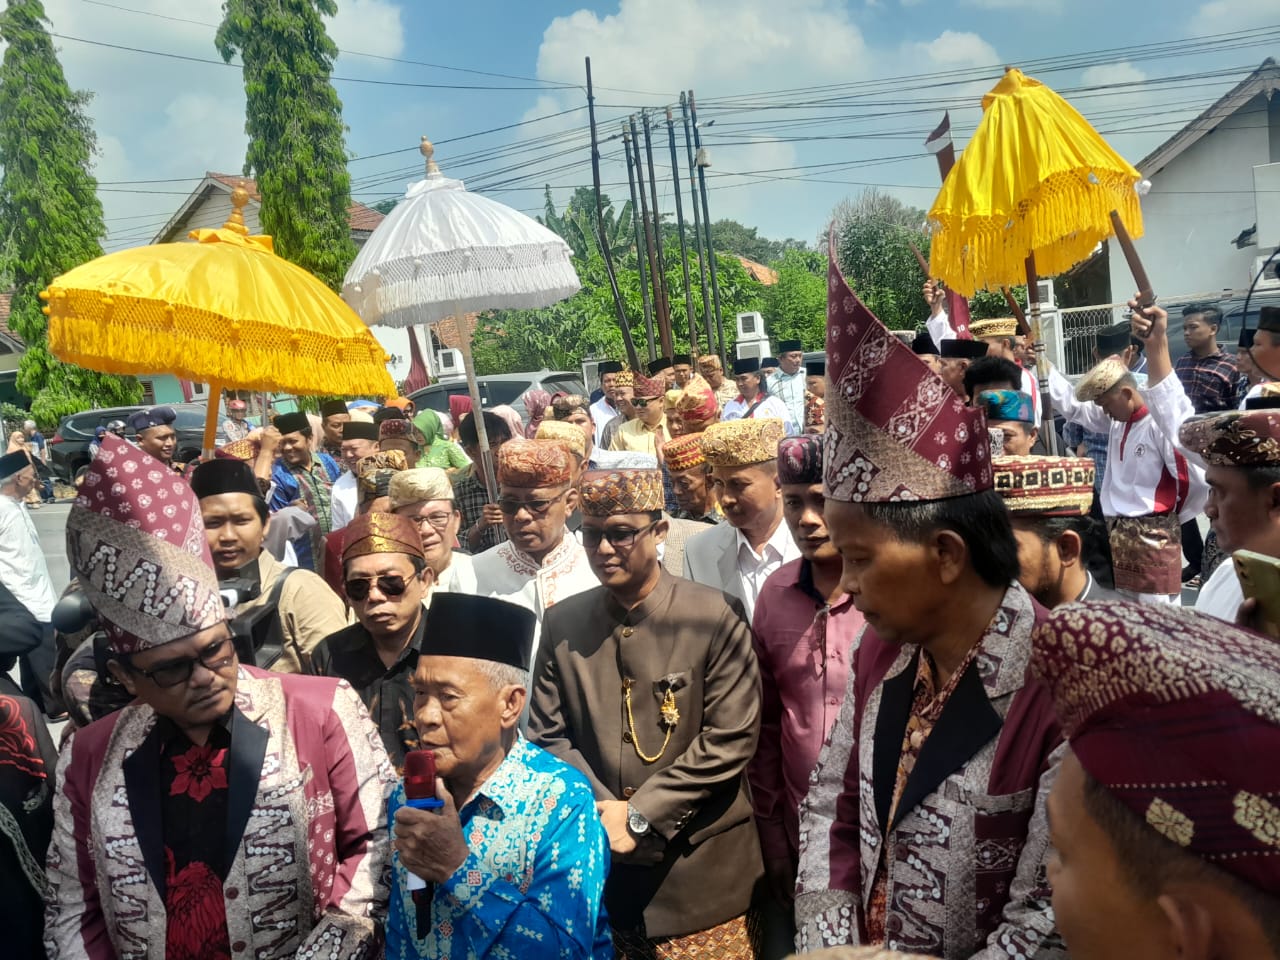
200 771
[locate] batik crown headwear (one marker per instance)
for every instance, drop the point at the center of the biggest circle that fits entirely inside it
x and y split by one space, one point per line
381 533
570 434
815 411
1100 379
697 403
648 387
1170 712
683 452
895 429
374 473
136 541
1007 405
740 443
800 459
1045 486
400 429
408 487
998 327
604 493
625 379
244 450
1234 438
534 463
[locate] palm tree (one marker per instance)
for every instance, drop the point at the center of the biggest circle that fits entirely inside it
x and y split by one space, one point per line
577 224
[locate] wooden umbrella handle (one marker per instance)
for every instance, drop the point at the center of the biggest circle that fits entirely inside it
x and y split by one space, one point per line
1016 309
1146 296
924 264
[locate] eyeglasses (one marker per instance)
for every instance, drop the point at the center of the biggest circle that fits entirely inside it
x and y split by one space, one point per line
392 585
174 672
511 506
643 402
623 537
438 520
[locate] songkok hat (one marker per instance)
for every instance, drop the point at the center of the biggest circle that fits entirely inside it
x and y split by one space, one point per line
1101 379
331 408
739 443
604 493
957 349
789 346
1246 338
245 450
697 403
1045 486
381 533
400 429
219 476
681 360
388 413
374 472
662 363
11 463
360 430
1235 438
1171 711
570 434
408 487
608 366
649 388
746 365
154 417
1114 339
478 628
288 423
923 345
895 429
769 363
800 459
815 410
818 368
1007 405
999 327
136 541
625 379
683 452
533 463
1269 319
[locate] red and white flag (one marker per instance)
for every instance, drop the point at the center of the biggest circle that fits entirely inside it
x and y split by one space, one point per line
940 139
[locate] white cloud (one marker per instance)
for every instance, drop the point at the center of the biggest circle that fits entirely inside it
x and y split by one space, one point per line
368 26
953 49
1222 16
1034 6
1112 73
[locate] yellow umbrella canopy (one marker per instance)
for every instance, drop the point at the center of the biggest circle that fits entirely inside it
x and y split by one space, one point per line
1035 179
224 310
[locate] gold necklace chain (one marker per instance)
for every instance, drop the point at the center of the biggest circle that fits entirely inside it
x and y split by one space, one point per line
670 717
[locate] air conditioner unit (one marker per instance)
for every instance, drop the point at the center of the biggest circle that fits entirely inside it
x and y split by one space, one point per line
751 327
752 348
1270 279
1045 291
590 375
449 365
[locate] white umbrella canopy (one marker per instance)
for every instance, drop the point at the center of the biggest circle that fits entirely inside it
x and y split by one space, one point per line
443 252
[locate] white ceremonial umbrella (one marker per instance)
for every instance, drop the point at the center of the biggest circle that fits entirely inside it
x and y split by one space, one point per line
443 252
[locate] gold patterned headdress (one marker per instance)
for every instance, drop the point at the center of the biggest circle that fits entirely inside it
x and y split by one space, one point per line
381 533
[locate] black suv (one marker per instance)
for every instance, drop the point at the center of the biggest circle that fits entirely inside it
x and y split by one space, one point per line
69 446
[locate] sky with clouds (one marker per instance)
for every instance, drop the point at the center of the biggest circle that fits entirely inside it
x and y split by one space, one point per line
802 102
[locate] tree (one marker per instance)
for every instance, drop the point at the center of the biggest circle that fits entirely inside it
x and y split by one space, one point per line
872 205
577 224
386 205
294 121
49 208
731 236
796 306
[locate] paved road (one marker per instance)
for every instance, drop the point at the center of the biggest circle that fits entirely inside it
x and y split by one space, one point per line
51 524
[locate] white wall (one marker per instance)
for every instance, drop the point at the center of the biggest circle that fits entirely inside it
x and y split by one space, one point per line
1197 205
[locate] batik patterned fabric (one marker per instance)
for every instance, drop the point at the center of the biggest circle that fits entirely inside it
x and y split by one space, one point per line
800 459
683 452
734 939
136 541
1045 486
570 434
246 450
1236 438
998 327
1171 712
815 411
650 388
895 430
1100 379
1007 405
740 443
423 484
533 883
697 404
1146 553
381 533
534 463
604 493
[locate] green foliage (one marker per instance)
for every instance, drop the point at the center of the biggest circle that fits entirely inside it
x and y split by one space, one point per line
734 237
385 206
49 209
796 306
986 304
876 259
577 224
294 121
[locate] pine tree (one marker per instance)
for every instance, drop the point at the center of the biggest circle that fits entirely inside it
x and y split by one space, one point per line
294 121
50 216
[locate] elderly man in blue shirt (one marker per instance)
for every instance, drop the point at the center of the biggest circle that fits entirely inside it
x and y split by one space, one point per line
515 859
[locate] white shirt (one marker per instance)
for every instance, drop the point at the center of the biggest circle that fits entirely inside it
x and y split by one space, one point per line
1221 595
770 407
343 498
754 568
1031 387
22 565
602 411
939 328
459 576
790 389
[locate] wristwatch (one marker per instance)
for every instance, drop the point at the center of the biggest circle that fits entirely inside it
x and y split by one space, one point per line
636 822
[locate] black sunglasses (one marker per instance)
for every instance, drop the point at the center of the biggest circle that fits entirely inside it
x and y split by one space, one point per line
617 536
511 506
393 585
643 402
170 674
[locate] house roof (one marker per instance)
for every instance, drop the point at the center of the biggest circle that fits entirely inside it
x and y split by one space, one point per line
363 219
6 331
759 272
1264 81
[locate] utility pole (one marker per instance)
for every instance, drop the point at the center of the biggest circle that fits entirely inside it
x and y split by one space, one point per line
700 162
660 288
605 252
684 248
697 227
648 227
640 251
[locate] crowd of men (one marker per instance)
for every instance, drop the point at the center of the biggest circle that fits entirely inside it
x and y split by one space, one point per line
718 669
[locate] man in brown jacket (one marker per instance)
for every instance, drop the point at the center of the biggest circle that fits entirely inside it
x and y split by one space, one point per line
649 686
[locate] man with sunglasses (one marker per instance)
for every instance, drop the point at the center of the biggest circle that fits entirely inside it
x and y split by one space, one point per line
648 685
425 496
226 811
539 565
648 430
387 580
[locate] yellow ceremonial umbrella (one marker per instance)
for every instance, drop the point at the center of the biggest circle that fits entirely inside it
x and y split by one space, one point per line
224 310
1036 180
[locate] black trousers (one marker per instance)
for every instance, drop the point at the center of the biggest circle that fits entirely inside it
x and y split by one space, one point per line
1192 545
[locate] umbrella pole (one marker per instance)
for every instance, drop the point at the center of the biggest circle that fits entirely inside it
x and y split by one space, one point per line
211 419
482 435
1047 430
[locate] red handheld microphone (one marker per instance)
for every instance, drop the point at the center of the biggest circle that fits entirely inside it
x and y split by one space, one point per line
420 792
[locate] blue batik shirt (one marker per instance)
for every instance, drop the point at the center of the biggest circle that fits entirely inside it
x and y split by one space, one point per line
533 884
